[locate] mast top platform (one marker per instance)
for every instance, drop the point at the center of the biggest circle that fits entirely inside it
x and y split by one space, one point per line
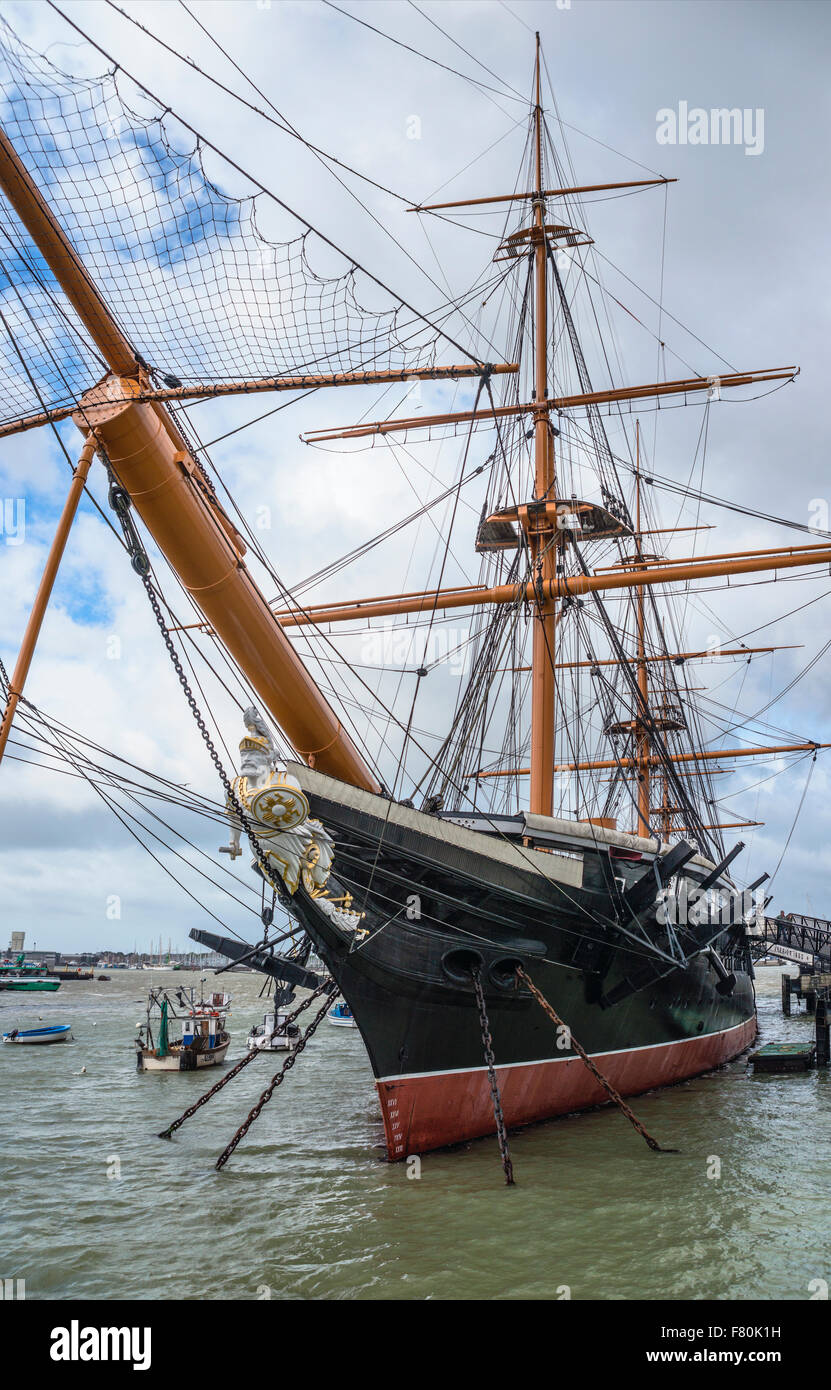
586 521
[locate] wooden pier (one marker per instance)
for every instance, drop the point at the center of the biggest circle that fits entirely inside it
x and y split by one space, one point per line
784 1056
815 989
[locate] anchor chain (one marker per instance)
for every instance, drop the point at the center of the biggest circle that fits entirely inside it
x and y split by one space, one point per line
587 1061
121 503
277 1080
235 1070
487 1046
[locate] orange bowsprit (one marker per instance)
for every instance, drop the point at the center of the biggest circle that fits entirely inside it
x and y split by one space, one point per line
150 460
201 545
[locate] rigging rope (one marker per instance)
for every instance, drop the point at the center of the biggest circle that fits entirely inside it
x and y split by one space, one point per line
160 240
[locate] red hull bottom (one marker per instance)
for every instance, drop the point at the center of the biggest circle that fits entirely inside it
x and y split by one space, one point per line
430 1111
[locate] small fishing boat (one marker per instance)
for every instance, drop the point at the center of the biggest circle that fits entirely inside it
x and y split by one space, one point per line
274 1034
204 1038
341 1015
60 1032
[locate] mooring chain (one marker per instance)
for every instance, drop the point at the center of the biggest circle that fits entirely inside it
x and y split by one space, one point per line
587 1061
235 1070
233 800
276 1080
120 502
487 1047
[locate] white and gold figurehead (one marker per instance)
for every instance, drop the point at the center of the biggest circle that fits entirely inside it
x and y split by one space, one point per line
276 806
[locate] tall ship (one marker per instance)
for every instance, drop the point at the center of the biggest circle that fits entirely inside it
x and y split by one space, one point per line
530 868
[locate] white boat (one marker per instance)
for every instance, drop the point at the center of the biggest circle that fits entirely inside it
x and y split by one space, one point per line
341 1015
273 1034
60 1032
204 1038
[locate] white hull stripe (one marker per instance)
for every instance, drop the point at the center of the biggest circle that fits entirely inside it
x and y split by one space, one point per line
570 1057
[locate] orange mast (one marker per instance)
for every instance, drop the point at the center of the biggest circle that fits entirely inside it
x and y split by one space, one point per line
608 764
792 557
642 739
546 192
682 387
307 381
543 542
706 653
53 560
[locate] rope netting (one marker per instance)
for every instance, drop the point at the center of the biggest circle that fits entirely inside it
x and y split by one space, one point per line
195 286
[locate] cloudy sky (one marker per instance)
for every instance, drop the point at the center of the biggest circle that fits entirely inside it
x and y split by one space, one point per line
736 249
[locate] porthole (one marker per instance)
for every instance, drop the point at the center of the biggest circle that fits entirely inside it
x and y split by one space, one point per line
459 965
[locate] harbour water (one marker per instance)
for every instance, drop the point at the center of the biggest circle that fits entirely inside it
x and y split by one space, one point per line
95 1206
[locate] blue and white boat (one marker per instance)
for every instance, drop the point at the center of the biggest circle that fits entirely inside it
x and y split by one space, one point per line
341 1015
61 1032
204 1039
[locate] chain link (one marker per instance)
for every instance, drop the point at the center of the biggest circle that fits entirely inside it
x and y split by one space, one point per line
235 1070
233 800
487 1046
587 1061
279 1077
121 504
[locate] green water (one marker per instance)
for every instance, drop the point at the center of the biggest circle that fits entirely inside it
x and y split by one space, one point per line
95 1206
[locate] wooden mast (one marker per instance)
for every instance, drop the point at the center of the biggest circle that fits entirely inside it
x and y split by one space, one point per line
53 560
546 192
642 738
683 387
574 586
613 764
307 381
543 542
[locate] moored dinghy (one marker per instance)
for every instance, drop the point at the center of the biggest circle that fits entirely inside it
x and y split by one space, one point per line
60 1032
341 1015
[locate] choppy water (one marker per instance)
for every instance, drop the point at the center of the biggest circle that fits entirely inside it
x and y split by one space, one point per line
306 1208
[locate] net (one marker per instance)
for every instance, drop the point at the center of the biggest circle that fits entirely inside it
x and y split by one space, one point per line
195 286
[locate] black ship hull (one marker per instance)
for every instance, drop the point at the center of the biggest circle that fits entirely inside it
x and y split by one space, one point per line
414 902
